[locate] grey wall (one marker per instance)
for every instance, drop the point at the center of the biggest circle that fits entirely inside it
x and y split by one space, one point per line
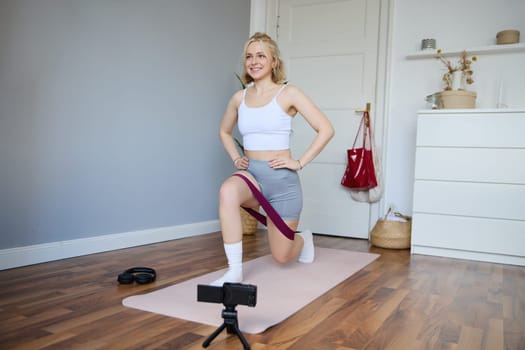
109 111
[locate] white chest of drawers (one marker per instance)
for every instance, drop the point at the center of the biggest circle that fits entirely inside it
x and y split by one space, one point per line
469 187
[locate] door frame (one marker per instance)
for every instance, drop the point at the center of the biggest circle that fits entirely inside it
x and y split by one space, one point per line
263 18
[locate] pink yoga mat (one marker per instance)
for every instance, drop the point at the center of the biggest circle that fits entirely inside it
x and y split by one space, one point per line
282 290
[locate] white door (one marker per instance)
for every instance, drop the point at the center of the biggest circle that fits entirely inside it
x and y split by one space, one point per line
330 50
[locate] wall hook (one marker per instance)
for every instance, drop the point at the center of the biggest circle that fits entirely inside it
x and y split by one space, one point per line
368 107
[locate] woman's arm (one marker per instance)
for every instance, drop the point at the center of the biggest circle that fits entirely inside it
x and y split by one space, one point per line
317 120
227 124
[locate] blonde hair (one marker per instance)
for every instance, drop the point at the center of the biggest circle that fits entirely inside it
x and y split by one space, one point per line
278 74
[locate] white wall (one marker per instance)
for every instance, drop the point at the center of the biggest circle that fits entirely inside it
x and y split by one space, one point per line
455 25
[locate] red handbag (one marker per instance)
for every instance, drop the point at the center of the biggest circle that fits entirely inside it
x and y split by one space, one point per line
360 172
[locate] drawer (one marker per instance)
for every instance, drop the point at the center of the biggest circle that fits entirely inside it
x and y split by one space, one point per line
471 130
505 237
499 201
497 165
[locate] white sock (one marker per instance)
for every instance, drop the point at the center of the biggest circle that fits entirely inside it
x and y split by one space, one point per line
234 255
308 252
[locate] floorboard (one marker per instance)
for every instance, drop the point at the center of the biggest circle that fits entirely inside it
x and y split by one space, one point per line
399 302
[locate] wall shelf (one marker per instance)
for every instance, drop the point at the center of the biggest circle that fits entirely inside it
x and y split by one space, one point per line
489 49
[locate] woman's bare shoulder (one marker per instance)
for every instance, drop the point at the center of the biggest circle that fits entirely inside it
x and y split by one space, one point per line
294 93
236 98
291 89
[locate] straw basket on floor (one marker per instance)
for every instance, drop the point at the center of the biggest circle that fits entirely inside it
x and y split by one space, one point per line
392 234
249 223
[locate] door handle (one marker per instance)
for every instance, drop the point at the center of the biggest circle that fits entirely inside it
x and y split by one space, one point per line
368 107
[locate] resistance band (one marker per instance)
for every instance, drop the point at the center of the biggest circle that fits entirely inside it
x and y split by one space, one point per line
274 216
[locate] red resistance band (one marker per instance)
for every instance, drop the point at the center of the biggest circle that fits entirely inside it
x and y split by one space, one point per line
274 216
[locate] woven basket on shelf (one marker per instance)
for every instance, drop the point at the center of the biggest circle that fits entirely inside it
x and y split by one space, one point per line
392 234
249 223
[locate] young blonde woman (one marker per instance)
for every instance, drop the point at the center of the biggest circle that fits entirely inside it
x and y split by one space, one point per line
263 113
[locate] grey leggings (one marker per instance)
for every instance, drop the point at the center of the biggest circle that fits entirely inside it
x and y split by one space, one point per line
281 187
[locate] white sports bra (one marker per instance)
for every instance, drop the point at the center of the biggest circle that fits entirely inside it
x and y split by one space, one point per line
264 128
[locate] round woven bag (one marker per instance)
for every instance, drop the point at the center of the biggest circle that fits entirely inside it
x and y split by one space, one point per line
249 223
391 234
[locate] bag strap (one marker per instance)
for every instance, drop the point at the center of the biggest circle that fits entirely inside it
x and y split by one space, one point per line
359 130
365 123
268 208
368 125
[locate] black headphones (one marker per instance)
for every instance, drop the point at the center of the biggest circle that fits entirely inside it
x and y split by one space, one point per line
141 275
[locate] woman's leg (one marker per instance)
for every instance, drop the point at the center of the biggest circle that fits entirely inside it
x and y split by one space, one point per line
233 194
285 250
288 202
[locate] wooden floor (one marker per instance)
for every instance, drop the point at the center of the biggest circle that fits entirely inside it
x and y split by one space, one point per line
400 301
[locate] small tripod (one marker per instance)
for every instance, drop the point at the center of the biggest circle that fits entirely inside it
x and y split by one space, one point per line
229 314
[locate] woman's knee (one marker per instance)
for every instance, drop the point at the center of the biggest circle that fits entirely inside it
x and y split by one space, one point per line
235 192
281 257
283 249
229 193
283 253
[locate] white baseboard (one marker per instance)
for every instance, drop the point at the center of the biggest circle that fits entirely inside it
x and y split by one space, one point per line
469 255
39 253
